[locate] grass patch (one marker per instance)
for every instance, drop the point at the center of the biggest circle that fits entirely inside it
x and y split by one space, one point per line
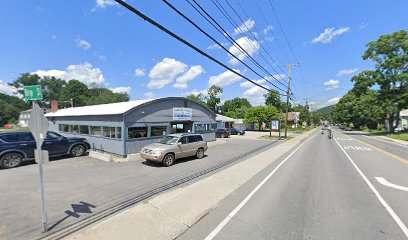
298 130
400 136
267 137
12 129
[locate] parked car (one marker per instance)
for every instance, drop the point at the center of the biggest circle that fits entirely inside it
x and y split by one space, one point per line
175 146
236 131
348 129
222 133
16 147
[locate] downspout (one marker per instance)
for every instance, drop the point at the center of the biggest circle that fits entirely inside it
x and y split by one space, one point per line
124 136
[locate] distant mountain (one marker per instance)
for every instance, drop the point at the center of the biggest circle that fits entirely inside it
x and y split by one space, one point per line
328 110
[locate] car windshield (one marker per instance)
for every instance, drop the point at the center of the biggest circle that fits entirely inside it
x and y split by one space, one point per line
169 140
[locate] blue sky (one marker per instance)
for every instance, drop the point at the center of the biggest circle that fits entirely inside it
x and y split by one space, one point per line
97 41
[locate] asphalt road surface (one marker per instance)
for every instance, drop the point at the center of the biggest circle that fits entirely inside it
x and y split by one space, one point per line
349 187
79 189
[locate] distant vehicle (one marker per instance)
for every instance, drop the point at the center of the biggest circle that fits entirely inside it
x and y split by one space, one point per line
342 126
236 131
8 126
347 129
16 147
175 146
325 127
222 133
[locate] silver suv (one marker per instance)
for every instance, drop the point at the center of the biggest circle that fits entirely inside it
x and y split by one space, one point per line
175 146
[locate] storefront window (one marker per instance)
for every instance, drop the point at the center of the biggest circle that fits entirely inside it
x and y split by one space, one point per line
74 128
109 132
119 132
96 131
84 129
208 127
137 132
64 128
158 131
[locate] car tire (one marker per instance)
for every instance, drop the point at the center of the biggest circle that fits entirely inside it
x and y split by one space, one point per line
168 160
11 160
200 153
77 151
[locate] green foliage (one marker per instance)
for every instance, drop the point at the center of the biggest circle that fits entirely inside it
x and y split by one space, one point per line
103 95
273 98
261 114
236 108
10 108
197 98
213 100
326 110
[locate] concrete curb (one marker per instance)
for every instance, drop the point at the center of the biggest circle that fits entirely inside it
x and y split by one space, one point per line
168 215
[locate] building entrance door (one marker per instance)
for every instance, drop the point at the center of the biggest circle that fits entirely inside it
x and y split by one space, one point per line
184 127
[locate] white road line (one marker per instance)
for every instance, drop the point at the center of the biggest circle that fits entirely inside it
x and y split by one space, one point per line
378 195
392 185
247 198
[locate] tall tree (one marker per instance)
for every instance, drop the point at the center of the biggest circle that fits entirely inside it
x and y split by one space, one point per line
213 99
197 98
235 103
261 114
25 79
75 90
104 95
390 77
10 108
273 98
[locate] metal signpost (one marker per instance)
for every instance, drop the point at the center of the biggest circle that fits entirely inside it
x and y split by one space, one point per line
38 125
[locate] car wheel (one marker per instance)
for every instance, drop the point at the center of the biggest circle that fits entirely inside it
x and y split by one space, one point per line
11 160
77 151
168 160
200 153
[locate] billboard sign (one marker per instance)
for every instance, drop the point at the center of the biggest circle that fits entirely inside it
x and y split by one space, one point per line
182 113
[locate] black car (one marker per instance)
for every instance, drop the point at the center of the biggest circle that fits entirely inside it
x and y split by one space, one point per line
16 147
236 131
222 133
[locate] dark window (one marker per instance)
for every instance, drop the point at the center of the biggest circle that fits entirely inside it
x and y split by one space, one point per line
158 131
109 132
192 139
10 138
84 129
96 131
52 136
25 137
119 132
17 137
137 132
64 128
208 127
199 138
183 140
74 128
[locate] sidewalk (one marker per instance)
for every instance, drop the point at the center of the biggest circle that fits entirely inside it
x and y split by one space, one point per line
168 215
393 140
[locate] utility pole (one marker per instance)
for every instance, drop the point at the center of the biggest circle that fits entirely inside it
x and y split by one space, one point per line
290 65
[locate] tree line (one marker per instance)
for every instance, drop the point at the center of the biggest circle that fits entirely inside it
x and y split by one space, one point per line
55 89
378 95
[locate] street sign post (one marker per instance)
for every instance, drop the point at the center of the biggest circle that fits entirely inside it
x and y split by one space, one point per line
38 125
33 92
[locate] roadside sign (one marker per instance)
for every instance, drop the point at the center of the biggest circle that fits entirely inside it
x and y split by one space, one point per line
33 92
38 124
275 124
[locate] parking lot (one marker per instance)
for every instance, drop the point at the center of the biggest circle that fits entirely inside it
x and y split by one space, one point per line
79 188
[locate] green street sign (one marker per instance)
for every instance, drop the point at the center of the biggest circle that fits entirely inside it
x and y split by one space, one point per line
33 92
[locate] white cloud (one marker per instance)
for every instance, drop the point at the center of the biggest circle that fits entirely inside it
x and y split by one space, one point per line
248 84
83 72
331 84
102 58
7 89
193 72
104 3
127 90
346 72
139 72
255 95
250 46
149 95
204 92
277 77
224 79
82 43
267 29
334 100
329 34
164 72
216 46
245 27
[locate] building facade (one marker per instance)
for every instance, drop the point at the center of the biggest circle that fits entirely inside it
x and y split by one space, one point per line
124 128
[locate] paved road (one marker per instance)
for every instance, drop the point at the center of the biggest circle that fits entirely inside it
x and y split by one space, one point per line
327 189
77 188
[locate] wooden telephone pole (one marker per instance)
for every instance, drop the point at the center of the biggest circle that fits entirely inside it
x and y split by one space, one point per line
290 65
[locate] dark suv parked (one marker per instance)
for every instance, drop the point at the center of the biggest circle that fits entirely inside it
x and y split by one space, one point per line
16 147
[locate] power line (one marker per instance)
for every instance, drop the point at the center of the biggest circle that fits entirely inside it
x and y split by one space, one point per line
154 23
223 32
209 36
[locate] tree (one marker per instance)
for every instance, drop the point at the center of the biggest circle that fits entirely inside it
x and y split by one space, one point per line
10 108
25 79
197 98
261 114
212 100
103 96
273 98
390 77
75 90
235 103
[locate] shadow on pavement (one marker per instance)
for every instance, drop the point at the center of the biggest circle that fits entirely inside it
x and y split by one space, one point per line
82 207
178 161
